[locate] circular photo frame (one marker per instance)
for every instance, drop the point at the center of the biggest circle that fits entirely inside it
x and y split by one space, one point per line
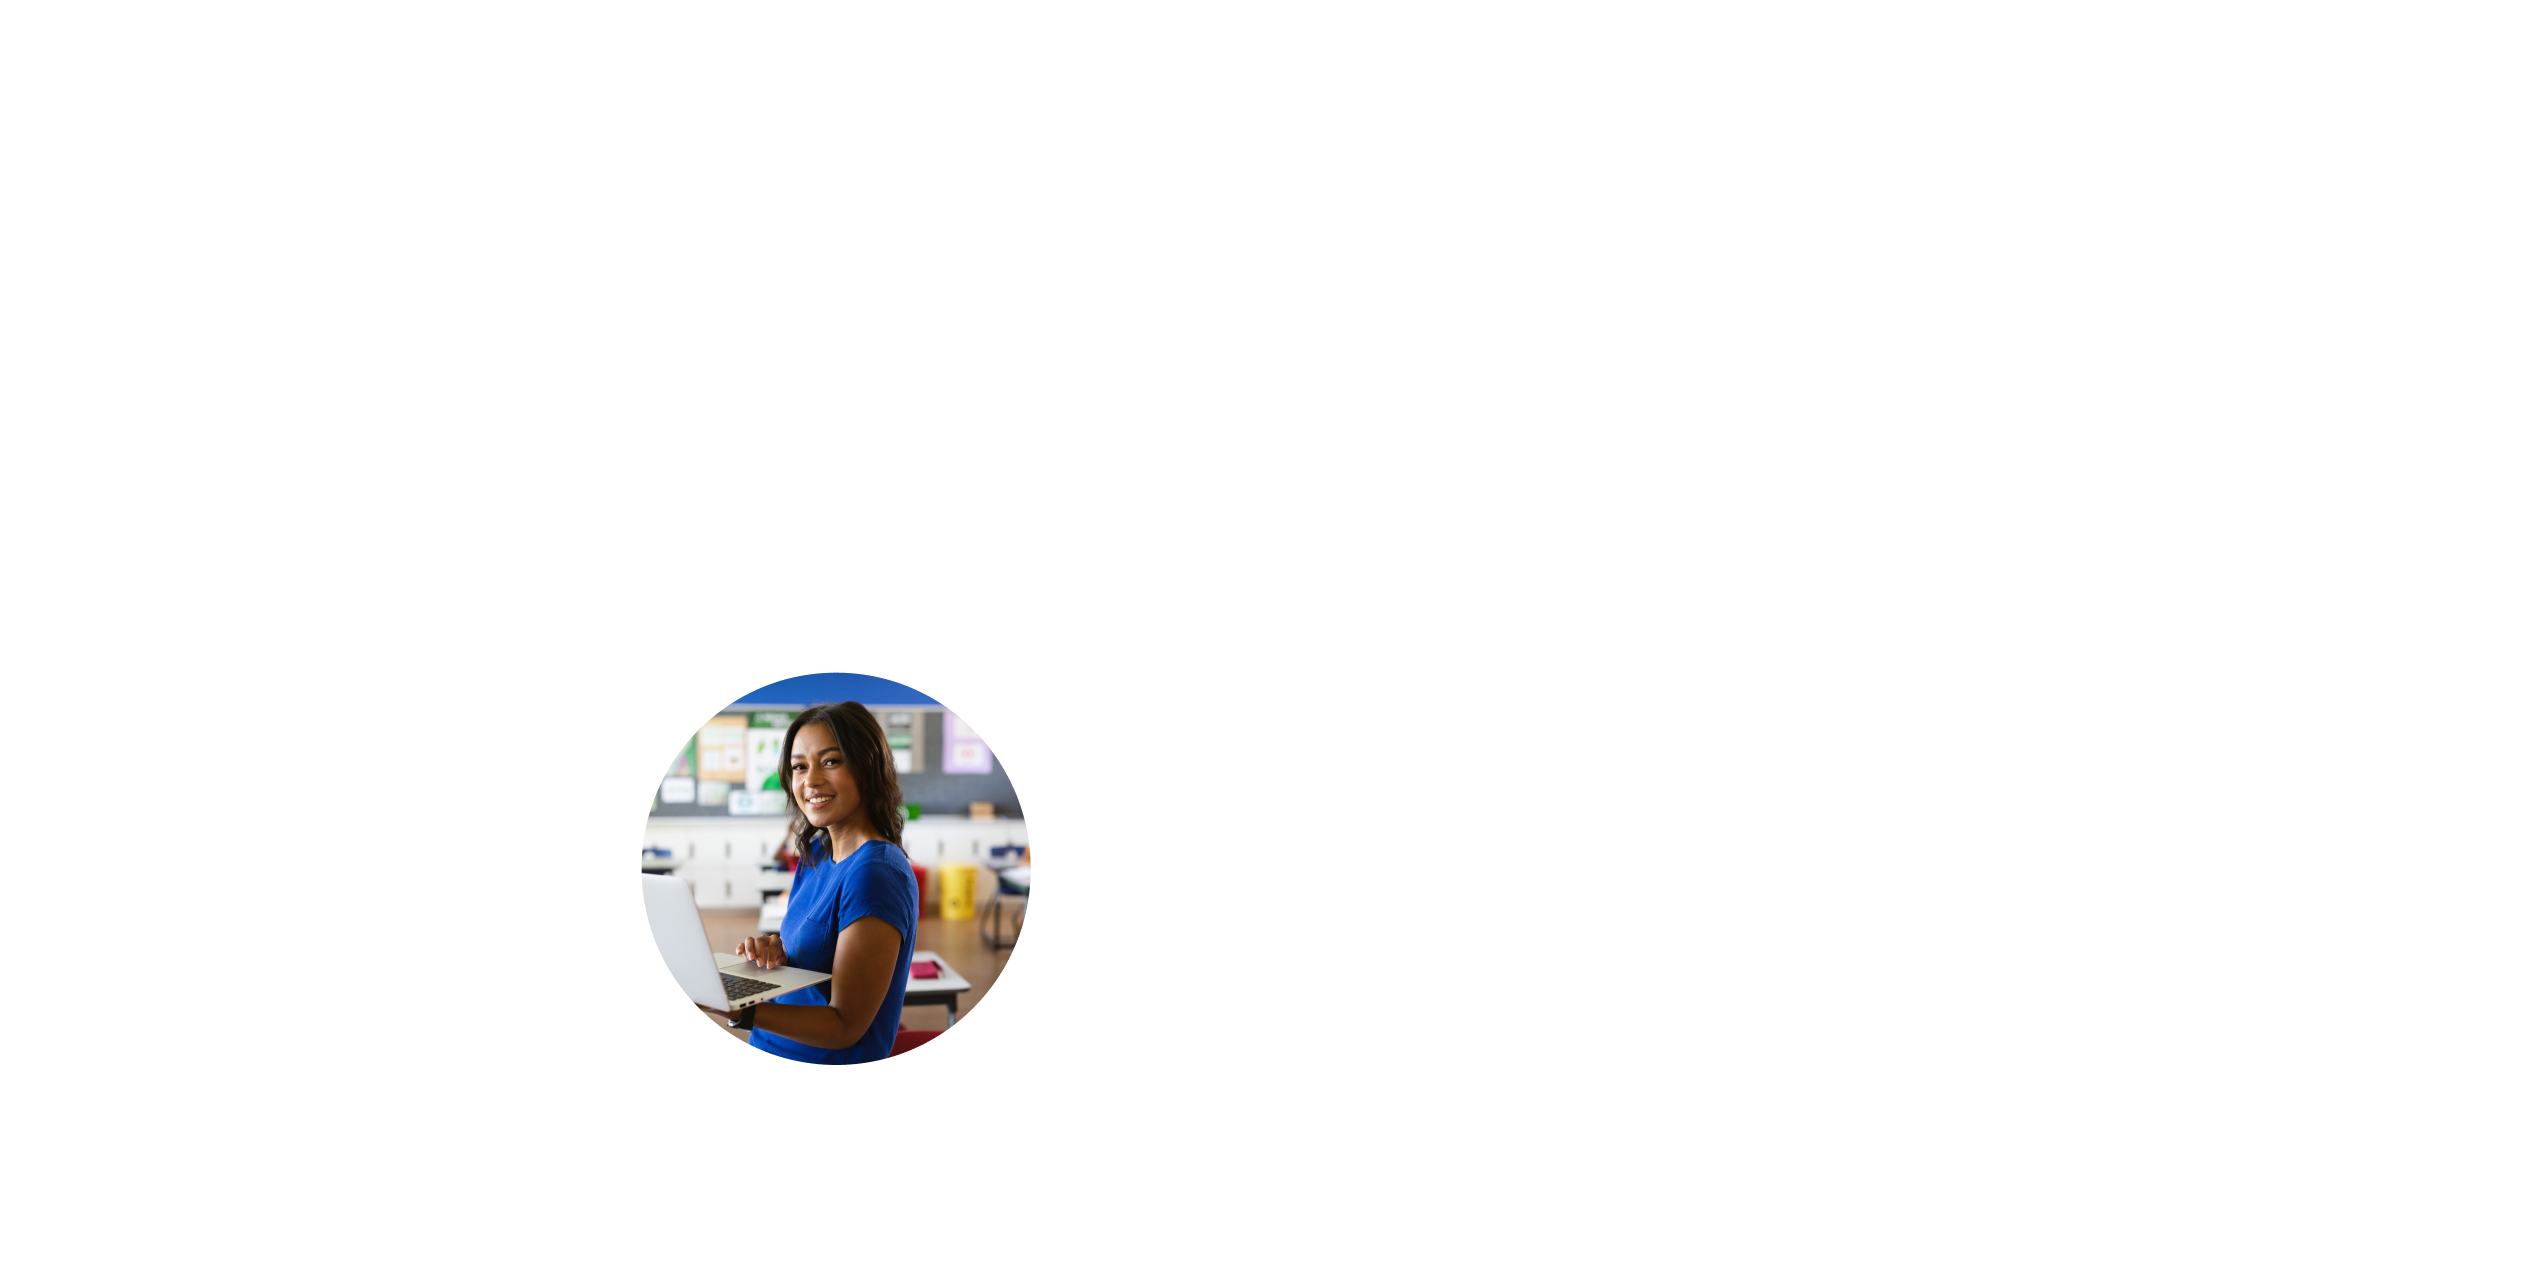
683 652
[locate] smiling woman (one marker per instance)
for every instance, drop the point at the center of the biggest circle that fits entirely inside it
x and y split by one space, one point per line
855 904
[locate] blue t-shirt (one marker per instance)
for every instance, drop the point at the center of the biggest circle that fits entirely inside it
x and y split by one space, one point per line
826 896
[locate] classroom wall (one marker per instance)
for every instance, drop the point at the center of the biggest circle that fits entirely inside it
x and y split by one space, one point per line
930 788
940 792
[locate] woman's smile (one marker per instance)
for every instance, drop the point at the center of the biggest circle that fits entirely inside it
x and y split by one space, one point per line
820 778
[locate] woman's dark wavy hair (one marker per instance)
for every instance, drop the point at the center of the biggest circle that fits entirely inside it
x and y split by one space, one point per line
872 763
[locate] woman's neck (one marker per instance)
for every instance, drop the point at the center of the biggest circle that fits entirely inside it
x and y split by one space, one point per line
849 836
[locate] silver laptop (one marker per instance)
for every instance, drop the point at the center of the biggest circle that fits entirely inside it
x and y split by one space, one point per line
722 981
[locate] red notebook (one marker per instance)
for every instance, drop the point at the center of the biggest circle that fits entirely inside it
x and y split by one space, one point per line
925 971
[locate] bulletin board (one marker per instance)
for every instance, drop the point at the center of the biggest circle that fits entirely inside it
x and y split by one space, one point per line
930 785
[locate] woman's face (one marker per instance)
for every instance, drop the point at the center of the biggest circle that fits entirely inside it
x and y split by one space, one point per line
819 780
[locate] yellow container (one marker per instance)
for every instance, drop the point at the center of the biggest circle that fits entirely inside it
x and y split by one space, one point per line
956 892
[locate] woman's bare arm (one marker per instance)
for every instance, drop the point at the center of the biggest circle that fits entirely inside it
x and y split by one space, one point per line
863 969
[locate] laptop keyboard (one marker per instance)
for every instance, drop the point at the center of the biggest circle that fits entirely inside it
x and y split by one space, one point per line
740 987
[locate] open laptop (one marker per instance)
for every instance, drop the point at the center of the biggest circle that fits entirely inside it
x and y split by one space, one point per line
722 981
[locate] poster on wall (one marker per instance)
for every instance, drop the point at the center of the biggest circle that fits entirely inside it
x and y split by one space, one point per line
903 737
763 759
757 802
676 790
723 750
714 793
964 752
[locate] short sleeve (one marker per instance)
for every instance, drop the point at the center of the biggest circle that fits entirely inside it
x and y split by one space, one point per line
876 889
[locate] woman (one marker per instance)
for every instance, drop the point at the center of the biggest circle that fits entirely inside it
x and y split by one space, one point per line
853 906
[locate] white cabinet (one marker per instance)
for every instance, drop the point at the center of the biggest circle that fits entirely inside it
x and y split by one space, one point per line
721 883
722 860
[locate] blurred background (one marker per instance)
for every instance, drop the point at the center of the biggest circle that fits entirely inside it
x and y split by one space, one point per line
719 820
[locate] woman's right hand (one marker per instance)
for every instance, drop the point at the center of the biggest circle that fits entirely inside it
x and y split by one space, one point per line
762 951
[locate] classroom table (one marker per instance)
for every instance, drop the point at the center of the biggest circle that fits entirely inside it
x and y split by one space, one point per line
935 993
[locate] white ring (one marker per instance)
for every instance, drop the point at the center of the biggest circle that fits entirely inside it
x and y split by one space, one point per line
680 655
